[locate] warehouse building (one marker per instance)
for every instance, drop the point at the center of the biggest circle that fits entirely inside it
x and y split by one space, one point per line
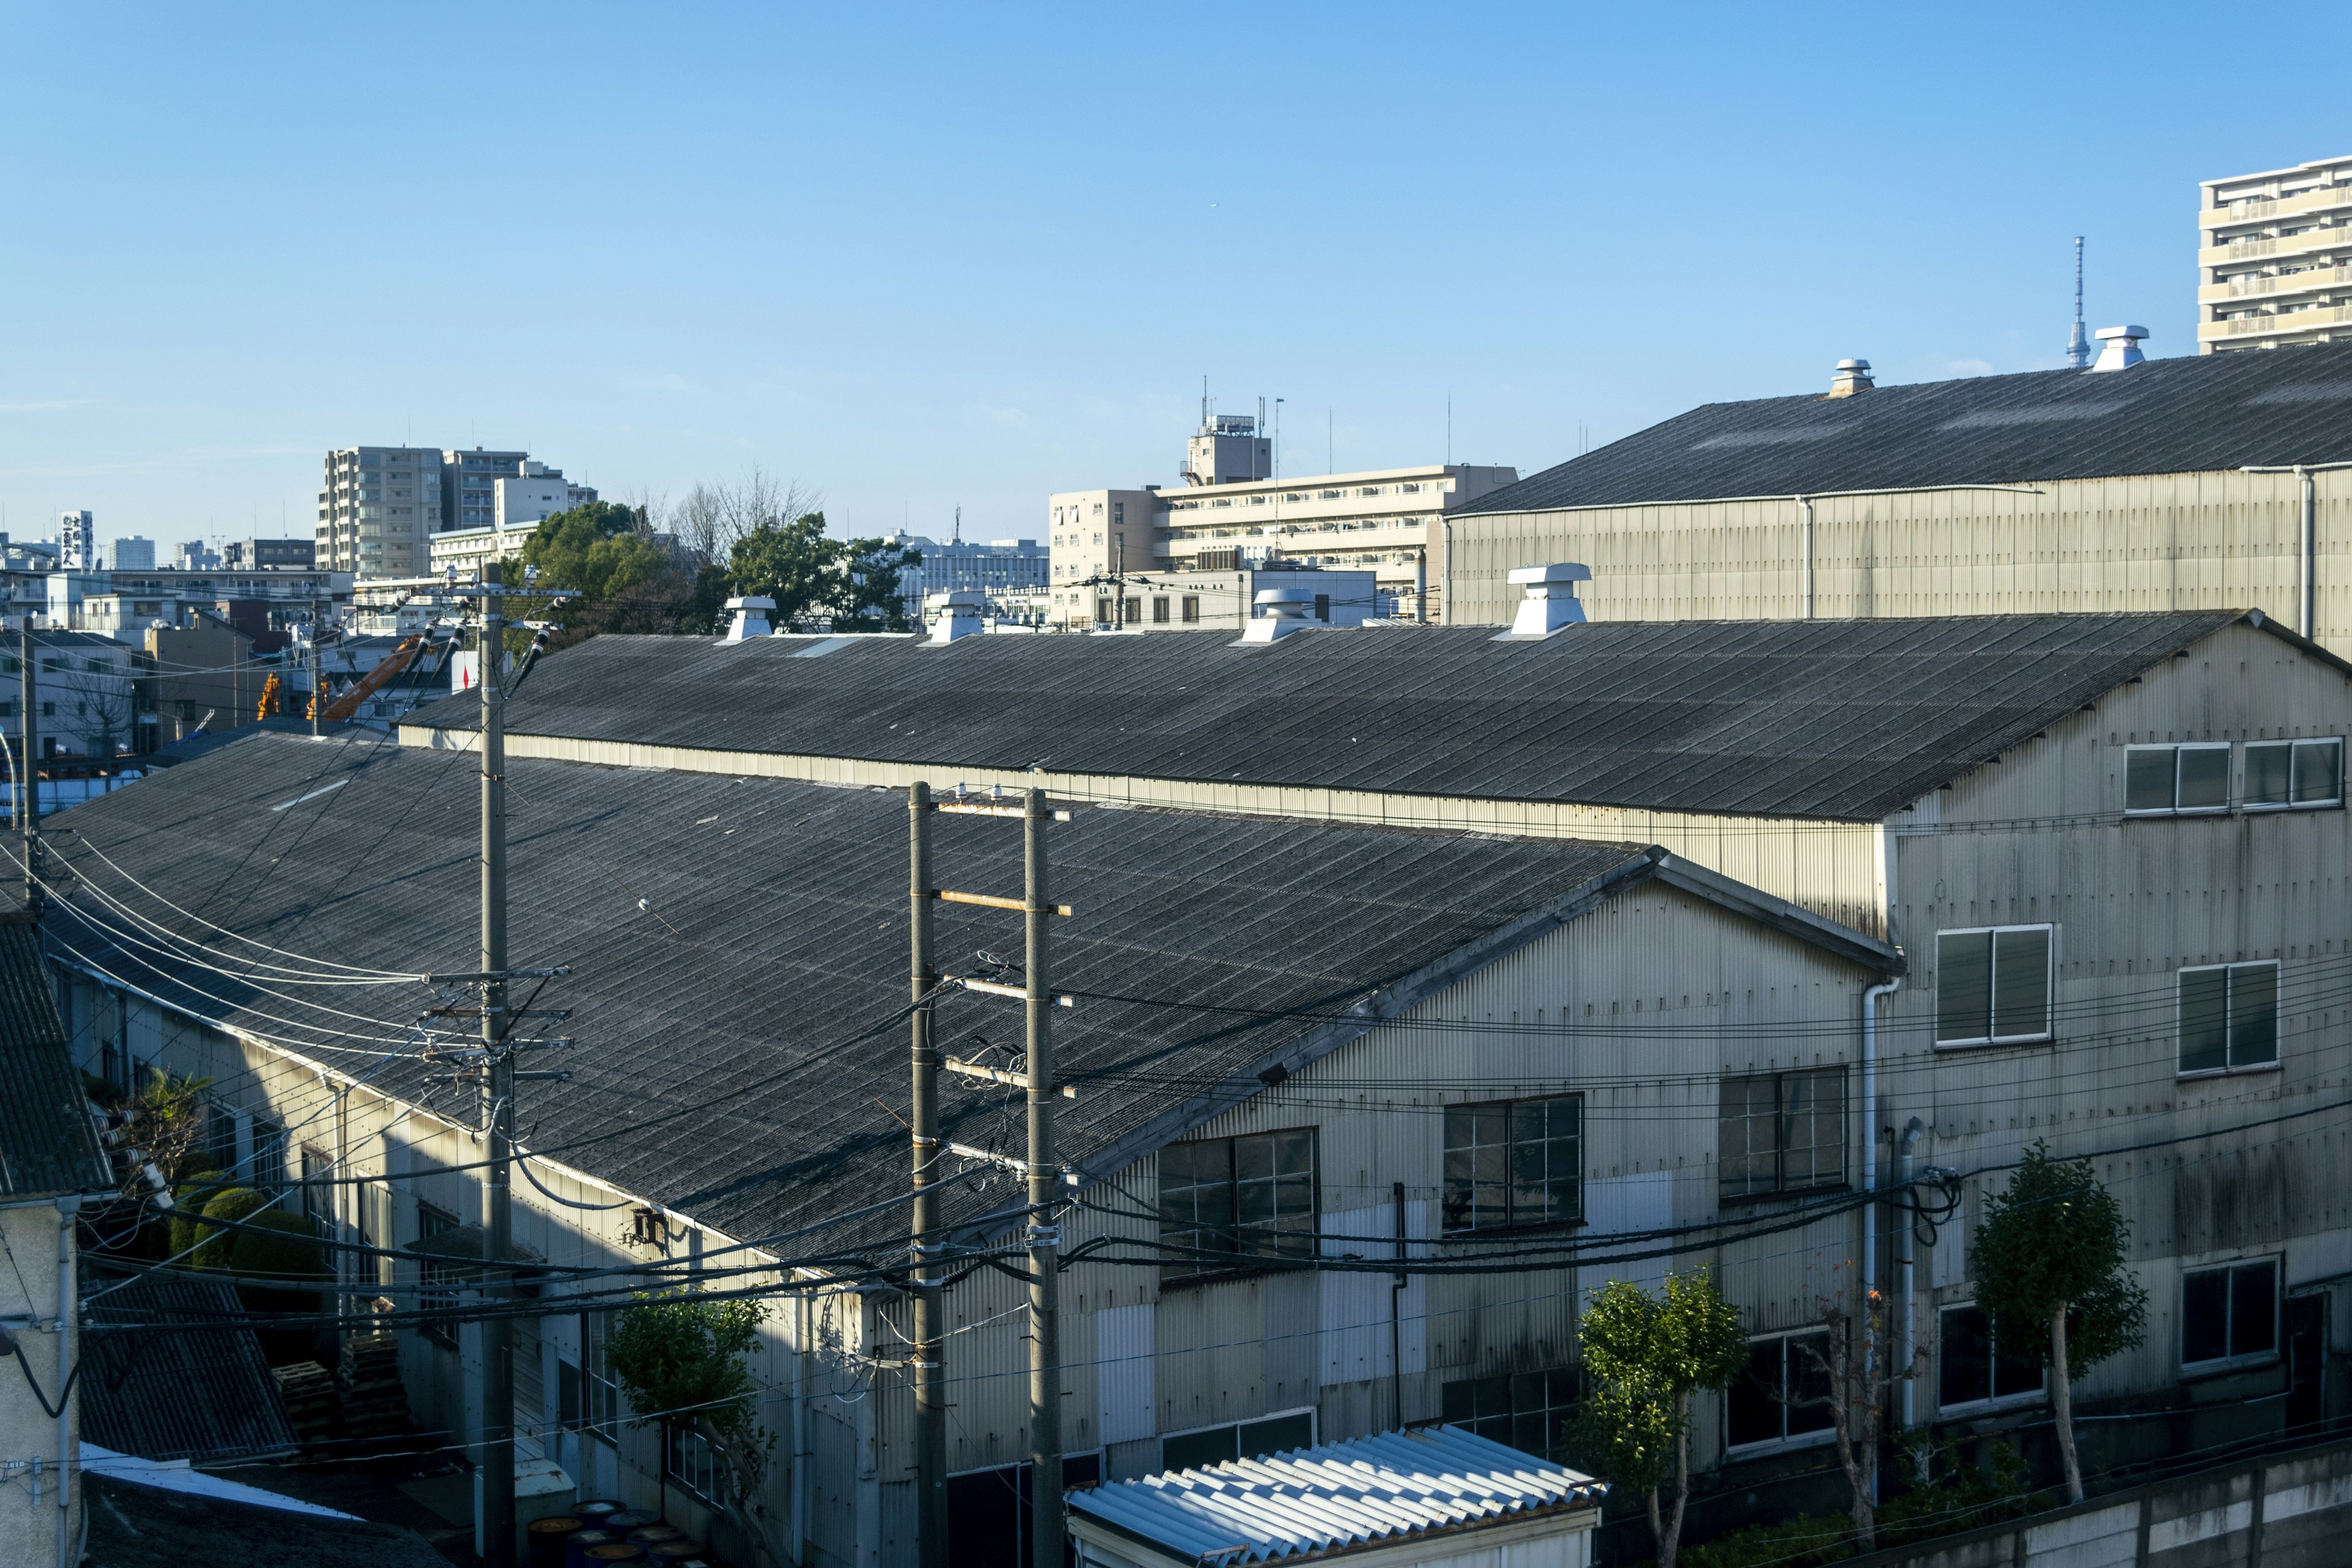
2171 484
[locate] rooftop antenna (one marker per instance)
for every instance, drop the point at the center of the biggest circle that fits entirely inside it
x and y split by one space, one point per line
1204 403
2078 347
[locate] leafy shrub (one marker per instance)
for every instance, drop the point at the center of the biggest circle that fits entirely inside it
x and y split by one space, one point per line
212 1241
189 1197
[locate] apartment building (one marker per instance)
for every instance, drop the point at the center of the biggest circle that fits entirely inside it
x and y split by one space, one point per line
2172 484
469 477
2274 257
136 553
380 507
1387 522
1012 573
520 500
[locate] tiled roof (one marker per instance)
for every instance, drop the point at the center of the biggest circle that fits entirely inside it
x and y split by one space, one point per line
201 1391
1846 719
47 1144
738 950
1381 1490
2163 417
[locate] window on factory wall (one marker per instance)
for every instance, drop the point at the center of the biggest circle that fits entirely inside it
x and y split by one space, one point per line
1192 607
2228 1018
1238 1440
1528 1411
1510 1164
437 1289
989 1516
1782 1132
2228 1316
1225 1201
1774 1399
1992 984
2295 775
2168 781
1972 1369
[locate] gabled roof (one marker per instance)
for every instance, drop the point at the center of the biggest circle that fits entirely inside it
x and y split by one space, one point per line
201 1391
48 1145
1848 720
738 950
2163 417
1382 1490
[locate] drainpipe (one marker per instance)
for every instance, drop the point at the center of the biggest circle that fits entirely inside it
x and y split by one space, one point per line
1396 1312
1420 587
1807 507
2309 624
67 1209
1904 1352
1870 1182
1445 569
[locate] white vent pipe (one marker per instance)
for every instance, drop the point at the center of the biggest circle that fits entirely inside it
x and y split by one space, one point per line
751 613
1550 604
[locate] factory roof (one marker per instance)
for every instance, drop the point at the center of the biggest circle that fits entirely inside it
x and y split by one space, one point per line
738 952
2200 414
1388 1489
49 1146
1844 720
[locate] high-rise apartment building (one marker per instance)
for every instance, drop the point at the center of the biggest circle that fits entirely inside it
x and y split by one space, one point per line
76 542
2274 265
469 481
136 553
379 507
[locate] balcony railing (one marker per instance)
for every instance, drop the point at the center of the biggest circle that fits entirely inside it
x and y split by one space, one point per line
2281 321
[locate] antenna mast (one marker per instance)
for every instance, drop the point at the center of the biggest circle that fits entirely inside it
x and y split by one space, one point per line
2078 347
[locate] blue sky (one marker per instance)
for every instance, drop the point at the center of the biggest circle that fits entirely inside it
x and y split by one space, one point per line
914 259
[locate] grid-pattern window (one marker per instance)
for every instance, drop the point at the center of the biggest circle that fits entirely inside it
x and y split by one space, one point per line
2295 775
437 1289
2230 1314
2166 781
2228 1018
692 1460
1225 1201
1992 986
1782 1132
603 1395
317 1189
1512 1164
1528 1411
1783 1393
1970 1369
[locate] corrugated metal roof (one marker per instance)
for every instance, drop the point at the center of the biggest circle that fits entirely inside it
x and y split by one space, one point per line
1848 720
201 1391
1379 1490
2190 415
740 1023
47 1144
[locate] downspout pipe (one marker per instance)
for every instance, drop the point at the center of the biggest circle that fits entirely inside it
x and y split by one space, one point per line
2308 565
1806 506
1907 1326
1870 1000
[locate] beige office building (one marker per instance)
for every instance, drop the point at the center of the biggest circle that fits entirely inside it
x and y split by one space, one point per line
2274 257
1379 521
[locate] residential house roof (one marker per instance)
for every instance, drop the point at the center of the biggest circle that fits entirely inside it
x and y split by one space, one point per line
48 1145
737 951
1848 720
1387 1489
2162 416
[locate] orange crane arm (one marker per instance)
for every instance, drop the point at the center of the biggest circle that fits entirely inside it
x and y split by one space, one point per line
374 680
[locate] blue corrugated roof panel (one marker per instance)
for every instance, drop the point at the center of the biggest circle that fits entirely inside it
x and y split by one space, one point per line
1383 1489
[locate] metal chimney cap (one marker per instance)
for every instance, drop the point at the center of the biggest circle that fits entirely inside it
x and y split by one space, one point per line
1558 571
750 602
2128 334
1274 596
1862 364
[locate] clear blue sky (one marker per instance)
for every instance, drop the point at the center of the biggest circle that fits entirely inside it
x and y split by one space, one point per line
971 255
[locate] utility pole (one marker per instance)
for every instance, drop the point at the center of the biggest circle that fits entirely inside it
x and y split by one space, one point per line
498 1106
1043 1238
930 1391
1118 580
28 750
317 700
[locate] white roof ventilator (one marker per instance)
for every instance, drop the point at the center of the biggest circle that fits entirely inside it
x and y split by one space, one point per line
1552 602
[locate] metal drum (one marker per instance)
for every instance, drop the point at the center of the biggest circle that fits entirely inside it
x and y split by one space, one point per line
547 1537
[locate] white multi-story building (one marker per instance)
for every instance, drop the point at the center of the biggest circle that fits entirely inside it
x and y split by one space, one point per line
380 506
76 542
2275 262
520 500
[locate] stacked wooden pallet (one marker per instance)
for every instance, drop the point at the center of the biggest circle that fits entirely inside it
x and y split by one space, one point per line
307 1390
375 1403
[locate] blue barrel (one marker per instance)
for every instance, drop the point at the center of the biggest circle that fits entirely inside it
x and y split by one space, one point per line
615 1551
547 1537
656 1533
629 1518
594 1514
576 1545
675 1554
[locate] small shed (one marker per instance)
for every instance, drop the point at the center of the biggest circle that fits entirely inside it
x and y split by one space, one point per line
1436 1495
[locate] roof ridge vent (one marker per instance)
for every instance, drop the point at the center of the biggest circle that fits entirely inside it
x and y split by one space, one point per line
954 613
2121 350
1279 613
751 613
1851 376
1552 602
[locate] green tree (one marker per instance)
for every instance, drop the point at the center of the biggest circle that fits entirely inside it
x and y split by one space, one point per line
2053 1272
792 562
680 1356
1644 1357
866 588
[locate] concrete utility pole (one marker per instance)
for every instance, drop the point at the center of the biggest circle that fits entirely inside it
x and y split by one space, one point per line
28 751
318 699
498 1107
931 1390
1045 1178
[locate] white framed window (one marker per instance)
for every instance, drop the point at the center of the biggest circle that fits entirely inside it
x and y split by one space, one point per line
1971 1372
2228 1316
1783 1395
1992 984
2294 776
1512 1164
2228 1018
2177 781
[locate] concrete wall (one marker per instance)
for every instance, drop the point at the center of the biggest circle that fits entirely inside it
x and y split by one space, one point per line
32 1512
